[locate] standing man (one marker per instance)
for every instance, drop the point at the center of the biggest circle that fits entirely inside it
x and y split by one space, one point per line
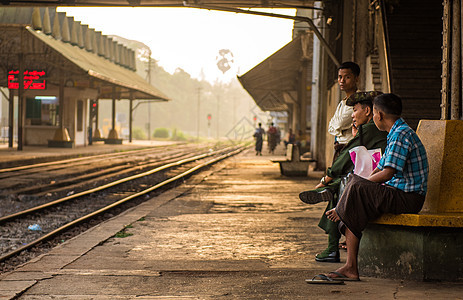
341 123
259 136
272 138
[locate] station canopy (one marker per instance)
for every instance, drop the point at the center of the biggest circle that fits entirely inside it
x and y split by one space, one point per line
100 69
166 3
67 53
273 83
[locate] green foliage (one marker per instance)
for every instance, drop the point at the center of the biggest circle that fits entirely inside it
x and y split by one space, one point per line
178 135
123 233
138 134
161 133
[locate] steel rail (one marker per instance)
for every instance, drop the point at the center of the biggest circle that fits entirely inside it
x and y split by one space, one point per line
119 202
108 185
71 160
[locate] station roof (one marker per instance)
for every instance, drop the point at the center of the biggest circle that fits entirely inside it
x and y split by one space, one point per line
274 82
165 3
101 69
65 48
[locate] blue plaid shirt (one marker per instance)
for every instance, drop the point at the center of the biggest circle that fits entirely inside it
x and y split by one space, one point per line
406 154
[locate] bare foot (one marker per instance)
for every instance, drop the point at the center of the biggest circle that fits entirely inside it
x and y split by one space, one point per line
344 271
332 215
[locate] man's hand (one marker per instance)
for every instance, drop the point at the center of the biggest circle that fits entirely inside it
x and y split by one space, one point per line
354 129
324 182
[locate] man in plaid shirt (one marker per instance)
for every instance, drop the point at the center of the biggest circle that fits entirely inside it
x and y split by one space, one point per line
397 185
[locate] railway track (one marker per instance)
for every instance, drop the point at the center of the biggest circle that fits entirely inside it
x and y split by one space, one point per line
31 185
55 217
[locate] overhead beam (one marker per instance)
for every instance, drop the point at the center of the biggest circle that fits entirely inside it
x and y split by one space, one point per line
273 15
160 3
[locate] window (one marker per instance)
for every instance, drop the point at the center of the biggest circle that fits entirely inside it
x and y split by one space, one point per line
42 110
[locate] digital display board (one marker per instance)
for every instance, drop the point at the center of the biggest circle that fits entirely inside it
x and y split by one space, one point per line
33 80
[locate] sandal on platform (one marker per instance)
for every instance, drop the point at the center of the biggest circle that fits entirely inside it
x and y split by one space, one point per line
323 279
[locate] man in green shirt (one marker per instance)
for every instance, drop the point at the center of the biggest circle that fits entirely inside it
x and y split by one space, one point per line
365 134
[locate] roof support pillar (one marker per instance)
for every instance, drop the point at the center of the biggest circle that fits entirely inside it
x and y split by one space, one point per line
21 108
97 132
113 137
61 138
11 119
303 95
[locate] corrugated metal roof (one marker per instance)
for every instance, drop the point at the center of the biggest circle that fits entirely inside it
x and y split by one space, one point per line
274 82
102 69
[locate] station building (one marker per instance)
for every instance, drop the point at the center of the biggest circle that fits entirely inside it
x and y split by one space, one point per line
58 70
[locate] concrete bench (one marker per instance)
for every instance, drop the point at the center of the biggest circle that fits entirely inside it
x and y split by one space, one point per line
428 245
425 246
293 164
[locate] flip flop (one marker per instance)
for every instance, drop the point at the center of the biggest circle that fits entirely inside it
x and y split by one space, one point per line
341 277
323 279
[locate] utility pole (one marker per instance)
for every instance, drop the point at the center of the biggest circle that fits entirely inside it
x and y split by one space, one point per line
217 116
149 103
197 125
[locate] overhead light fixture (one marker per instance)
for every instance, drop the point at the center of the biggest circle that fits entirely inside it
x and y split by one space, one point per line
329 20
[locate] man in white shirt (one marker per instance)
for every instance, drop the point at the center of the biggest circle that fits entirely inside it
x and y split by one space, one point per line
341 123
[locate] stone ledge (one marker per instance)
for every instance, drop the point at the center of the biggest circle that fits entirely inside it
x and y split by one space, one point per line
454 220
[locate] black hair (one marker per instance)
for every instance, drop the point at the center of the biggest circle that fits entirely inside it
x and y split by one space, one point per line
389 103
368 103
352 66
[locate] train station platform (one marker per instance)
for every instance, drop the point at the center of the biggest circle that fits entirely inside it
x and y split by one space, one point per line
236 231
11 157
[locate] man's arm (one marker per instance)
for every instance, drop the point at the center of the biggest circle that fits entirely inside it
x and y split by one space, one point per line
341 120
383 175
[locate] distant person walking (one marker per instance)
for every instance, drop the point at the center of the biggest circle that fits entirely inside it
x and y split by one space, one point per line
272 138
259 136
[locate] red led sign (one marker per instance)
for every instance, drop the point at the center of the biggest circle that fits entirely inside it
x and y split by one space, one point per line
32 80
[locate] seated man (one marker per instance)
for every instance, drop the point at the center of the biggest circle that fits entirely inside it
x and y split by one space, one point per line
327 190
404 171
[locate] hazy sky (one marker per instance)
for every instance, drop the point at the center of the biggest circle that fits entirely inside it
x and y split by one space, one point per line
191 38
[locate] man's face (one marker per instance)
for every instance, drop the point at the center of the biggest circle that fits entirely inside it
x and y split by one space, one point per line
347 80
377 119
361 115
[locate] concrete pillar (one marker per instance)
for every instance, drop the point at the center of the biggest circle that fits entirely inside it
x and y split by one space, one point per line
21 106
303 95
97 133
11 119
113 137
61 138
